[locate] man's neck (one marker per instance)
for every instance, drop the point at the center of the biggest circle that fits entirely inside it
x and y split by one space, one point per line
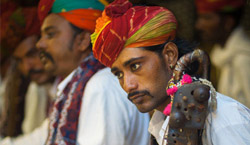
164 104
78 63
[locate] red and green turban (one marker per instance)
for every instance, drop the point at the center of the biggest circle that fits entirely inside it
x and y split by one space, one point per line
17 23
123 25
81 13
218 5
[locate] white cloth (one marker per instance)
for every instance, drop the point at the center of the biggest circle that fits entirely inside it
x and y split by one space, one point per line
107 117
228 125
2 89
36 137
234 62
36 103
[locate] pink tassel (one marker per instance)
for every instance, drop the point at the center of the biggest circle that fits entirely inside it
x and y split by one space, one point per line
171 91
186 79
167 110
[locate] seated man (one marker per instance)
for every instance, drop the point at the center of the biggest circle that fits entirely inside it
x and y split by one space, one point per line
140 46
218 24
26 85
90 108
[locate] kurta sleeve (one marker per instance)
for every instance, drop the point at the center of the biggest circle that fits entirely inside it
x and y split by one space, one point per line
236 134
228 125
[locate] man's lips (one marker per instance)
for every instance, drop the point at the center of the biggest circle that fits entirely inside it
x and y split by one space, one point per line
135 96
136 99
45 57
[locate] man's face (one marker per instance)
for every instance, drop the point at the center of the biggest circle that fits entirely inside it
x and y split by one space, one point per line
28 60
144 76
210 28
56 46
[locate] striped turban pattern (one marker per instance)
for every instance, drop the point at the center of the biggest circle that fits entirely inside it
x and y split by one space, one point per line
122 26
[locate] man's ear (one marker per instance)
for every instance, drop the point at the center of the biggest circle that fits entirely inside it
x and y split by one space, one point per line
82 41
170 54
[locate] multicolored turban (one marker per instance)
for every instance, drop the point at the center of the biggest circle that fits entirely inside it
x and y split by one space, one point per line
123 25
81 13
218 5
16 24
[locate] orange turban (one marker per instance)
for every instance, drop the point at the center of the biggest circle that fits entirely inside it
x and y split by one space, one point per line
122 25
81 13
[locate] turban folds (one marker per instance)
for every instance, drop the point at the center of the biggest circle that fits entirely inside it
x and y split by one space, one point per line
123 25
218 5
17 23
81 13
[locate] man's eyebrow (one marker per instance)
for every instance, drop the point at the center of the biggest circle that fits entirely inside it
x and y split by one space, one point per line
113 69
127 63
132 60
48 28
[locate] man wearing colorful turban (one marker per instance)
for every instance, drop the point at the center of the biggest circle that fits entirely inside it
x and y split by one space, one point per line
25 81
90 108
218 23
140 46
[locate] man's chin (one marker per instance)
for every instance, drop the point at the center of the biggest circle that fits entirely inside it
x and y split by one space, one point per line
41 81
144 109
49 67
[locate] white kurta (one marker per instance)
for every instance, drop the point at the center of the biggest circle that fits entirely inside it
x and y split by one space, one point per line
234 62
107 117
36 103
228 125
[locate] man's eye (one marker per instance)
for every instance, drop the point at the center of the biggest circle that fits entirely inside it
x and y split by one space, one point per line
118 75
135 66
50 35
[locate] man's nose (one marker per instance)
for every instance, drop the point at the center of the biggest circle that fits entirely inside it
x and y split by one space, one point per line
40 45
130 83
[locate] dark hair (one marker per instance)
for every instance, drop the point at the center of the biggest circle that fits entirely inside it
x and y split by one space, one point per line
183 46
77 31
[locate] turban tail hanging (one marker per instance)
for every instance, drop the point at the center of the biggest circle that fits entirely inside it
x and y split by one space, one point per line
82 14
122 25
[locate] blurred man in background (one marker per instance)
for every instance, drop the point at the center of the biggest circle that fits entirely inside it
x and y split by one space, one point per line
218 24
25 89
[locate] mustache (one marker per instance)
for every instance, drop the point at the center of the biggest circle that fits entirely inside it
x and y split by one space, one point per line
33 71
144 92
47 55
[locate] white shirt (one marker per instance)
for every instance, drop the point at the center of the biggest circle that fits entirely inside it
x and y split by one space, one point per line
228 125
107 117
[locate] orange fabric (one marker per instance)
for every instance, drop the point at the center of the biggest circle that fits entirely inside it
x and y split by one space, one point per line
82 18
154 41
